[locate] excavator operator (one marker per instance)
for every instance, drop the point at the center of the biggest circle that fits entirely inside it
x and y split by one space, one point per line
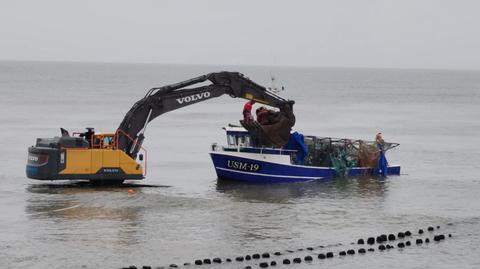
88 135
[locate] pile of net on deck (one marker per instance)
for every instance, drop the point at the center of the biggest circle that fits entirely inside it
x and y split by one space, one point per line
342 154
275 130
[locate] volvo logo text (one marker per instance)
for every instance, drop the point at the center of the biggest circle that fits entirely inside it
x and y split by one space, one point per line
193 97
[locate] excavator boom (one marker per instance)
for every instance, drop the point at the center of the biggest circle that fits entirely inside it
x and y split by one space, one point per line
130 133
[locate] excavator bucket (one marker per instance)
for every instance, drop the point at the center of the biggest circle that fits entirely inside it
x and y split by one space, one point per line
276 133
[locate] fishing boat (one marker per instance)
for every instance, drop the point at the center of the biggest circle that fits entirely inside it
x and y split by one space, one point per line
303 158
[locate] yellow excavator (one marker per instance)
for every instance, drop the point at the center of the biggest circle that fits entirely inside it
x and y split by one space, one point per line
115 157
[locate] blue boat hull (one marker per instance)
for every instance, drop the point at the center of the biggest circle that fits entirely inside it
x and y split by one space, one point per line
257 171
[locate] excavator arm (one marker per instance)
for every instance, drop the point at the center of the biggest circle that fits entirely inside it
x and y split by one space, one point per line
130 133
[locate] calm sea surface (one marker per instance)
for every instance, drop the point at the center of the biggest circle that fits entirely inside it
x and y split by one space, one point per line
434 115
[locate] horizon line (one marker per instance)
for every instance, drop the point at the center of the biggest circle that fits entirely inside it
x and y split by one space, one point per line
246 65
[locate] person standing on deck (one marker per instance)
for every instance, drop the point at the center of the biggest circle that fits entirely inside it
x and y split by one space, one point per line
382 166
379 140
247 111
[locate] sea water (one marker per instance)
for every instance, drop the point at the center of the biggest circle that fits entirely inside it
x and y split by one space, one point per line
433 114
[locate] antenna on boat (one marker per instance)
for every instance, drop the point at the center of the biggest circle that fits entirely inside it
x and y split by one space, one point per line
273 86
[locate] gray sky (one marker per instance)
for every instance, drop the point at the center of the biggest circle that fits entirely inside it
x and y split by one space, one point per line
348 33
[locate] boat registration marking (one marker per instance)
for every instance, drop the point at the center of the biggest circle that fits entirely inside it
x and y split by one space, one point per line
243 166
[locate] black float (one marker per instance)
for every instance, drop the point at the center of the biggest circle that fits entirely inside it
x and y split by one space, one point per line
263 265
438 237
381 239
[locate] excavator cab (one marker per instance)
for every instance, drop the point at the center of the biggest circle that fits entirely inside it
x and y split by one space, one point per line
103 141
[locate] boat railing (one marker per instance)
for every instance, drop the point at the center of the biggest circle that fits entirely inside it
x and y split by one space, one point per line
250 149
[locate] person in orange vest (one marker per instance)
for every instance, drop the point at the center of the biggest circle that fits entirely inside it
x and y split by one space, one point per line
247 111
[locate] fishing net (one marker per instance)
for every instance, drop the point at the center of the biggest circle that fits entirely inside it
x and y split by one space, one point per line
342 154
368 154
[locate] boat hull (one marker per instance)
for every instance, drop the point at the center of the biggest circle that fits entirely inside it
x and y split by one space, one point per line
257 168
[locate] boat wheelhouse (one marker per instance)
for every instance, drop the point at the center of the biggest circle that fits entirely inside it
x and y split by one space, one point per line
310 158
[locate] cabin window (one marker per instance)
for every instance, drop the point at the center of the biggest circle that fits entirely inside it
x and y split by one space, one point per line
107 141
247 141
231 140
238 139
243 141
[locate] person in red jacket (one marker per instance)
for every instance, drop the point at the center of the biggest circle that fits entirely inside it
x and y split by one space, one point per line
247 111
